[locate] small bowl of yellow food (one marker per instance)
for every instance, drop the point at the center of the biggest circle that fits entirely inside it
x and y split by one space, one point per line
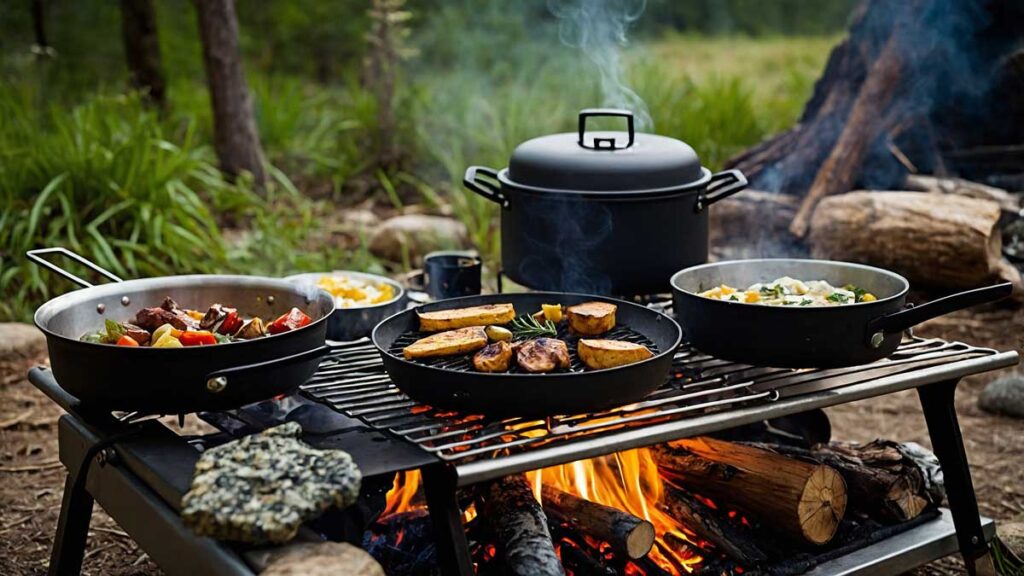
361 300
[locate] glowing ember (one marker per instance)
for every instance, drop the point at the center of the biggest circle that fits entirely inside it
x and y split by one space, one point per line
627 480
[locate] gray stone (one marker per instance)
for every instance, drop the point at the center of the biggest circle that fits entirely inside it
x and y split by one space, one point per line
414 235
262 487
358 221
19 340
1004 396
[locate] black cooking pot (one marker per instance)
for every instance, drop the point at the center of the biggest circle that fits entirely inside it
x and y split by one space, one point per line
602 212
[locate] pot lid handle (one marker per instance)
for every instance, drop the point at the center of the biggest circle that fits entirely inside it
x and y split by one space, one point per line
606 143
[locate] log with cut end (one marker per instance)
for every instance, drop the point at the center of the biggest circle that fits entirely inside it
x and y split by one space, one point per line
803 501
520 527
626 533
883 482
943 241
711 525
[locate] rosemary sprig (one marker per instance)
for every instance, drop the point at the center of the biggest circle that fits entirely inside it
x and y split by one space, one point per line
527 326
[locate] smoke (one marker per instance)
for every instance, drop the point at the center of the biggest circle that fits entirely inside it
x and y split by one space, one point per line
598 28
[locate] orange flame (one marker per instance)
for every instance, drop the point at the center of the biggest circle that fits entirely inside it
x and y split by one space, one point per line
628 481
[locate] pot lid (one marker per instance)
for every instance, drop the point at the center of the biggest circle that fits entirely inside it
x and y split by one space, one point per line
616 161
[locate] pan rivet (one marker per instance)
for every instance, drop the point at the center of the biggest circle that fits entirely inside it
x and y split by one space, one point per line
876 339
125 301
270 299
217 384
101 308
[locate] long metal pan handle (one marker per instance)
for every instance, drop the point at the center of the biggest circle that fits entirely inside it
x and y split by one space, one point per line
900 321
217 382
490 188
36 256
722 185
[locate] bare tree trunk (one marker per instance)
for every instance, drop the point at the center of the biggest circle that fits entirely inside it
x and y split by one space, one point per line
142 49
39 23
236 139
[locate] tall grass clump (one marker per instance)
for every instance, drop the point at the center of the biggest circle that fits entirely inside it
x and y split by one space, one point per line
102 179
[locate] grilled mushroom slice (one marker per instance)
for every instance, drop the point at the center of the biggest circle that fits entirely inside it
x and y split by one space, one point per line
450 343
542 355
597 354
494 357
591 318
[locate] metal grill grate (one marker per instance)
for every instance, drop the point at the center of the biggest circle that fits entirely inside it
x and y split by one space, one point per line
352 380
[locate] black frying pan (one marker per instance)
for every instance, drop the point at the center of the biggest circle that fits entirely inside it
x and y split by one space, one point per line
179 380
452 384
805 336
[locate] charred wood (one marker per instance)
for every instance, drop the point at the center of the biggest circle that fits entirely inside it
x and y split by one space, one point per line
520 527
626 533
713 526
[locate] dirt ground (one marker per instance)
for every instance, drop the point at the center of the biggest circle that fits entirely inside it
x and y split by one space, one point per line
31 478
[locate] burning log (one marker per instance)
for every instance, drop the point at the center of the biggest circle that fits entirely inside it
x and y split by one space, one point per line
577 555
884 481
804 501
944 241
626 533
520 526
710 525
403 543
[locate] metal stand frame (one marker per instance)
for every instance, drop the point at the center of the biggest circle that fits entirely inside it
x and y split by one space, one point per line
440 481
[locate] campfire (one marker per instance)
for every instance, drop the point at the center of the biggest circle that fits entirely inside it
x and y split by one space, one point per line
697 506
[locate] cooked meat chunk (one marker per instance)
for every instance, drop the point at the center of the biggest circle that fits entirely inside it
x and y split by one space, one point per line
215 314
591 318
463 317
152 318
450 343
252 329
138 334
493 357
597 354
542 355
169 304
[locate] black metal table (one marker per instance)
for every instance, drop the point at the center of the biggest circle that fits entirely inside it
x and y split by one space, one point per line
139 478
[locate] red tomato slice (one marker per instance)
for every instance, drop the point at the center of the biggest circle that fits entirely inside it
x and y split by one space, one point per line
197 338
291 320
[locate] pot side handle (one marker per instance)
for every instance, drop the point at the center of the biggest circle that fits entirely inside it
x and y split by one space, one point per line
217 382
721 186
489 188
36 256
900 321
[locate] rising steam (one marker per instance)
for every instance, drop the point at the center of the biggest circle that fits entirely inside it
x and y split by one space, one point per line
598 28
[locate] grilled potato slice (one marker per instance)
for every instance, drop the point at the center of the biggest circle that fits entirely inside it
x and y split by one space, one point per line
591 318
450 343
462 317
493 357
597 354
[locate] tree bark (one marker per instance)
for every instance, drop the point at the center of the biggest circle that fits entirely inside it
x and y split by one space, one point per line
520 526
941 241
883 483
236 139
803 501
627 534
142 49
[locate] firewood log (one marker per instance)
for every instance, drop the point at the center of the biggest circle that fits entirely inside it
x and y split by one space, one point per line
942 241
711 525
866 121
804 501
1009 203
626 533
884 483
520 527
753 224
578 556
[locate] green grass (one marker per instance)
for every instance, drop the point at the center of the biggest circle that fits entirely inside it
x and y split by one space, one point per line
140 193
